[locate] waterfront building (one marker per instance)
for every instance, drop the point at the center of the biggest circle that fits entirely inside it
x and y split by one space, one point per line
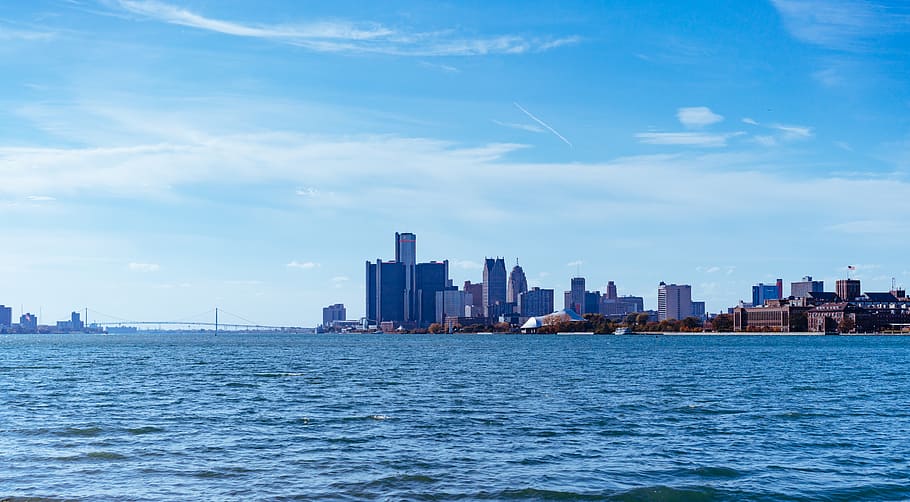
848 289
673 301
476 291
430 278
6 317
575 297
406 254
452 303
764 292
621 306
518 284
779 318
537 302
385 298
801 289
592 302
610 293
698 310
28 323
494 284
333 313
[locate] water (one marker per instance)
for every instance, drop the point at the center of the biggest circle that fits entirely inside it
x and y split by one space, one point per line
496 417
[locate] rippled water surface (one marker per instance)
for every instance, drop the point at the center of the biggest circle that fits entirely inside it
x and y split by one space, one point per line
454 417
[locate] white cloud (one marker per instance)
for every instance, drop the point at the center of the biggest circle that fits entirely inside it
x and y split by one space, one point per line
747 120
685 138
348 37
243 282
576 263
305 265
340 278
839 24
794 132
144 267
26 35
697 116
467 264
523 127
439 66
41 198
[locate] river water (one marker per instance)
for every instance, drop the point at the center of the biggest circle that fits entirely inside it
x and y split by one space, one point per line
390 417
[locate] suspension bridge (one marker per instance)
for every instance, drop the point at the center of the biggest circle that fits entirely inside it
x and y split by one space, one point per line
210 320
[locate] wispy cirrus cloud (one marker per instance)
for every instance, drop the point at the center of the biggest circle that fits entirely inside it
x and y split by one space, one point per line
520 126
341 36
303 265
840 24
10 34
780 133
144 267
686 138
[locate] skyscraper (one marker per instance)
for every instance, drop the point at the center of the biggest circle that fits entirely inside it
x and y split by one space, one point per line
333 313
385 298
6 316
406 254
610 293
430 278
494 284
536 302
575 297
763 292
673 301
518 284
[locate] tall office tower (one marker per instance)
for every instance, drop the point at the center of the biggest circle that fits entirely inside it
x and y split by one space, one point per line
764 292
494 284
333 313
430 278
28 323
801 289
698 310
75 322
575 297
452 303
610 293
518 284
385 297
537 302
674 301
848 289
476 304
6 316
406 254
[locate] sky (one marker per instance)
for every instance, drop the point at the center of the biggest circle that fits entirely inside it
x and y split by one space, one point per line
163 158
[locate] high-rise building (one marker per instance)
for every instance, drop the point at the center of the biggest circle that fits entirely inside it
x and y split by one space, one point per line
518 284
385 297
430 278
801 289
848 289
476 292
673 301
610 293
452 303
536 302
494 284
28 323
75 322
621 306
333 313
406 254
763 292
575 297
698 310
6 316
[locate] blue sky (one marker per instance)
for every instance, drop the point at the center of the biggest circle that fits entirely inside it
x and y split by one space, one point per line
160 158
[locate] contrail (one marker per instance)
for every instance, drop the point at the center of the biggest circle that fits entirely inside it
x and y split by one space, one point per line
541 122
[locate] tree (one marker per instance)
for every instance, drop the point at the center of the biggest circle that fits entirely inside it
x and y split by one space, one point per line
642 318
630 319
799 322
723 323
847 325
436 328
690 324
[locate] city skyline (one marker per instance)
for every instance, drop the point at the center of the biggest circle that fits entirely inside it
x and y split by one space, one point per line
161 157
